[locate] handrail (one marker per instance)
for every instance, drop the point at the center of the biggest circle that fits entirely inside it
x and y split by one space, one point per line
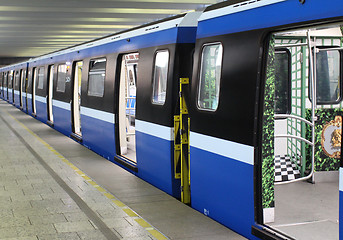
291 45
279 116
313 108
293 136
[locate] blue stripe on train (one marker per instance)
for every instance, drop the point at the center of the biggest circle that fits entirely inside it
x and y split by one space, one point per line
287 12
62 120
155 163
10 96
17 100
223 189
99 136
41 112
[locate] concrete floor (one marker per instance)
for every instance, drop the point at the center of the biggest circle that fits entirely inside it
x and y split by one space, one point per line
307 211
105 215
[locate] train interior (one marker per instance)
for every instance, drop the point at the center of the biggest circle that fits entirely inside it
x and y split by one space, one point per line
127 106
302 133
50 93
77 98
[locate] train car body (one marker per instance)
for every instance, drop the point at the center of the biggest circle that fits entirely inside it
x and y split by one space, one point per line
256 68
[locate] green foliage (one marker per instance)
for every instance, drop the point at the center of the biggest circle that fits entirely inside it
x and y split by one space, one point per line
322 161
268 133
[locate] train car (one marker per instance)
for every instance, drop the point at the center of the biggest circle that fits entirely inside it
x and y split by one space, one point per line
243 51
12 79
264 110
117 95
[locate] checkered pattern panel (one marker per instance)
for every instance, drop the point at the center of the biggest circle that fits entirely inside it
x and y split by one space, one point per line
285 169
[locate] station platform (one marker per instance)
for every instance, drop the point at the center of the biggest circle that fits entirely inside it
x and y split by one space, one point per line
51 187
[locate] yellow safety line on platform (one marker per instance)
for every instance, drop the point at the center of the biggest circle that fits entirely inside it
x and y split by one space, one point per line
143 223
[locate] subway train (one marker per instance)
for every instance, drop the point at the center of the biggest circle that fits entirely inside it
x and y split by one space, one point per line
258 88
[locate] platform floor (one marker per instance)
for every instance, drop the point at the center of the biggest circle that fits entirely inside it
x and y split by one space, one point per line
53 188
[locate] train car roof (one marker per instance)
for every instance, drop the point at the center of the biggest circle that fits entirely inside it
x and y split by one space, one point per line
182 20
234 6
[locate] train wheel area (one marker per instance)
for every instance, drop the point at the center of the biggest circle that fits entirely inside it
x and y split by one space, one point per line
52 187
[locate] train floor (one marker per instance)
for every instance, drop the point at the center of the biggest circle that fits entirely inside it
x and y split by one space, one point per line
51 187
307 211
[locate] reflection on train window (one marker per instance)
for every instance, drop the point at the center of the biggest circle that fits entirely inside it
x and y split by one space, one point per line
211 64
62 78
96 77
17 79
41 78
282 82
328 76
23 81
5 79
10 79
160 77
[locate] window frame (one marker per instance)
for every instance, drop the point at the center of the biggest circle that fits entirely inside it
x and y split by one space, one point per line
153 77
89 70
200 74
65 80
42 79
289 80
340 84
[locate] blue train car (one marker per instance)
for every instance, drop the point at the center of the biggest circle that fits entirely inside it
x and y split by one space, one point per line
264 103
232 142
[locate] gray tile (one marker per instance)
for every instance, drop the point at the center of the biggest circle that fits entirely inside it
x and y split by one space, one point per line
21 238
73 226
116 213
91 235
63 209
15 222
131 232
25 212
35 230
117 223
43 219
60 236
75 216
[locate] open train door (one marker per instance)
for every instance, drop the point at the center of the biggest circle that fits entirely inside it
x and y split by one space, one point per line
76 100
126 112
301 136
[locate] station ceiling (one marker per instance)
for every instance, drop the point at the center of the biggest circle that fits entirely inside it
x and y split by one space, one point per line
36 27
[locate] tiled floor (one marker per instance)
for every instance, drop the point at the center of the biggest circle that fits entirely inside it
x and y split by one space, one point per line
53 188
285 169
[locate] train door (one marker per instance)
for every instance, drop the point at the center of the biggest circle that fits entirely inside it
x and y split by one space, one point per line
21 88
1 84
50 93
127 107
5 86
23 91
10 86
77 98
34 80
16 85
301 140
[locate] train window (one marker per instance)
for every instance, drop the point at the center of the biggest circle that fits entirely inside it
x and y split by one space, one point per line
328 76
41 78
160 77
62 78
10 79
96 77
5 79
210 73
16 80
23 82
282 81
